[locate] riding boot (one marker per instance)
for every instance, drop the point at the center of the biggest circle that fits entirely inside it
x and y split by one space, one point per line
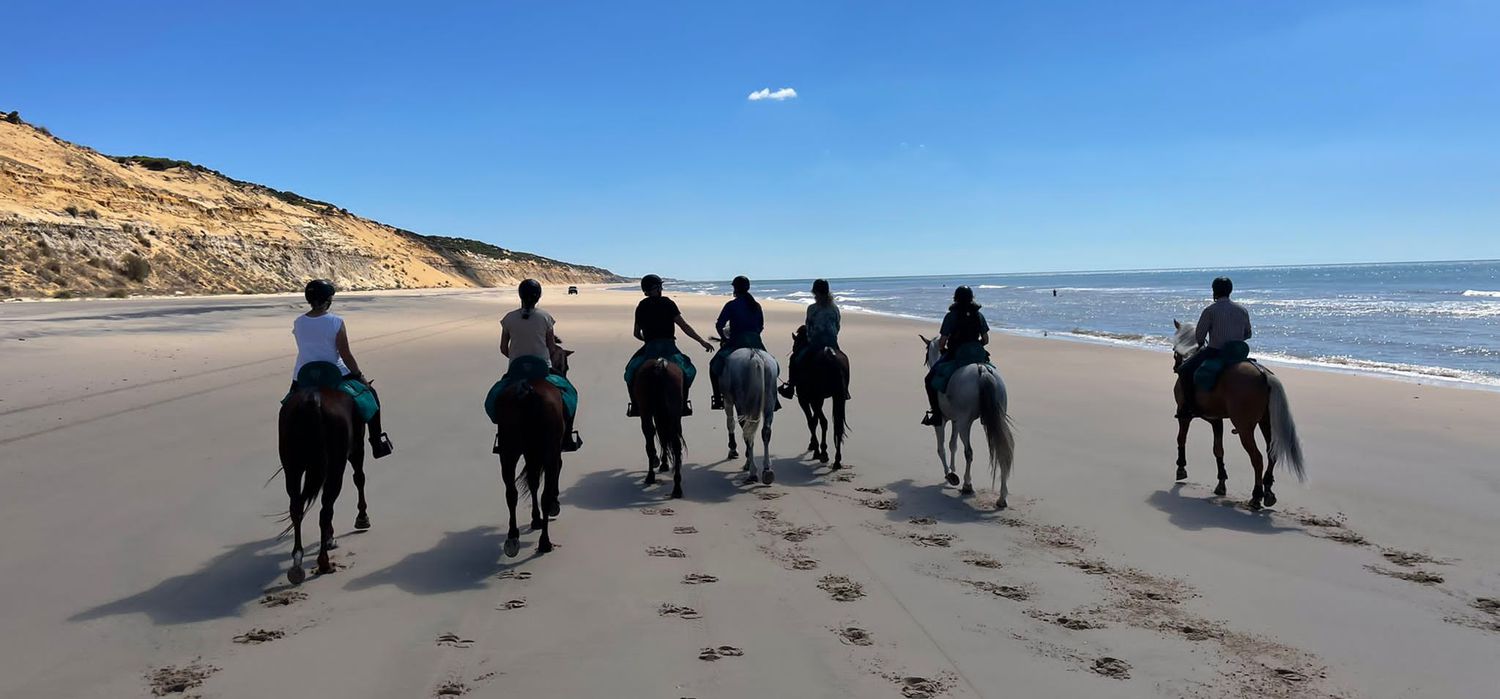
717 402
571 439
380 442
788 390
934 412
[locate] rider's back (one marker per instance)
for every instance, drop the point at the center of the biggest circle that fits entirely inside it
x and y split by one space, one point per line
1222 322
656 316
317 341
528 333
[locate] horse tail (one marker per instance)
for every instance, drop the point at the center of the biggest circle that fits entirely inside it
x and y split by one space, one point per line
840 422
530 408
311 437
1285 448
666 412
997 432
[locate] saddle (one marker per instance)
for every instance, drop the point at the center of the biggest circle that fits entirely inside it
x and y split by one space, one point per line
660 349
529 369
962 356
327 375
1207 375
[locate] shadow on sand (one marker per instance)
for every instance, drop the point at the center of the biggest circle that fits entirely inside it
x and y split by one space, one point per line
1199 513
941 502
617 489
463 560
220 588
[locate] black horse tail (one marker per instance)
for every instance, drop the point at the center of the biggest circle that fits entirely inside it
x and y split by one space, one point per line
666 413
840 422
541 439
311 437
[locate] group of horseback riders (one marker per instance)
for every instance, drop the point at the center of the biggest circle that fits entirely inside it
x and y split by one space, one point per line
528 339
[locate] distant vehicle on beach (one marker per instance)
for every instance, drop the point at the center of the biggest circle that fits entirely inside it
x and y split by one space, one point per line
572 291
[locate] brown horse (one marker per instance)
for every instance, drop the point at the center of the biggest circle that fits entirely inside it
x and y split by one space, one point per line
656 390
531 421
319 430
1249 396
822 375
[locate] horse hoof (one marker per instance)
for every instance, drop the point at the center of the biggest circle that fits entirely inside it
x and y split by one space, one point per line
295 575
325 569
1221 491
1181 473
1270 499
1254 505
751 480
822 458
551 508
650 478
544 547
512 547
733 454
952 479
677 493
836 466
1000 504
966 490
812 447
362 522
767 477
664 468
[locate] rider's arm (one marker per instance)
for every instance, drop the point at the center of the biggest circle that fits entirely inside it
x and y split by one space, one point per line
505 342
639 334
1205 323
943 343
551 342
1247 326
682 323
984 337
342 343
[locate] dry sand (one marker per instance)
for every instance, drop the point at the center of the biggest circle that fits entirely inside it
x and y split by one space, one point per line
136 552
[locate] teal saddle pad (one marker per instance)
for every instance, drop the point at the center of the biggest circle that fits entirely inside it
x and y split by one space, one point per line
1207 375
529 369
327 375
661 349
970 353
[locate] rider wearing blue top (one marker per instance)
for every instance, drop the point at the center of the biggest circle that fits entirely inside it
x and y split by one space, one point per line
963 326
744 321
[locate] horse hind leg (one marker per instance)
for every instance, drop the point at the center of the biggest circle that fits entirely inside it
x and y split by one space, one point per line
1270 475
512 498
1182 432
812 424
549 502
968 488
1247 440
1222 488
332 485
295 574
734 451
767 476
948 474
357 462
648 430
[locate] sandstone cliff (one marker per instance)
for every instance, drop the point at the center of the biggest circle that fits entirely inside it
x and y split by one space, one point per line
76 222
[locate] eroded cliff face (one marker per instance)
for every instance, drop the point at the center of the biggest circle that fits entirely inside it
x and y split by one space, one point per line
75 222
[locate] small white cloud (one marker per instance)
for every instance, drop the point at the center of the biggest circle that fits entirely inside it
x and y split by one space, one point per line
781 95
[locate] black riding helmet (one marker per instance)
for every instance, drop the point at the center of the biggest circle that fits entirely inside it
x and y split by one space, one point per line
318 292
741 284
820 287
531 292
1223 287
963 295
650 282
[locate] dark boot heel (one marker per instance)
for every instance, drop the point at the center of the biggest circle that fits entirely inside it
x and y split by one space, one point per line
574 442
381 446
630 410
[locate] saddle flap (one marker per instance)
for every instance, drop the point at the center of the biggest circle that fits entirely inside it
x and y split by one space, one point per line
319 375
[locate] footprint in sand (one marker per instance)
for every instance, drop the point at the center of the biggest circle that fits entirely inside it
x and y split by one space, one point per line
1409 559
719 652
1075 623
698 579
1010 592
258 636
669 609
1320 521
768 494
855 636
1420 577
766 514
453 641
803 564
684 530
843 477
175 680
841 588
935 539
513 604
515 575
451 688
797 534
1487 604
661 511
913 687
881 503
1090 567
282 598
981 560
1343 536
873 490
1112 667
922 521
665 552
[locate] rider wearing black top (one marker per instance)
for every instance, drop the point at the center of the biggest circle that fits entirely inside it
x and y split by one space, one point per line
656 318
963 325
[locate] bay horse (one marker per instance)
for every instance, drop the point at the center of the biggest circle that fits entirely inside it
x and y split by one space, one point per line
749 386
656 390
1249 396
319 430
823 375
975 392
531 422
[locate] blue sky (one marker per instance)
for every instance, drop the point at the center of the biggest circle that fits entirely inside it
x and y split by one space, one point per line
924 138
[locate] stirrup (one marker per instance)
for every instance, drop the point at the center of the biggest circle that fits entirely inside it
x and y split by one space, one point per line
381 446
787 391
630 410
717 403
496 449
929 419
573 443
687 408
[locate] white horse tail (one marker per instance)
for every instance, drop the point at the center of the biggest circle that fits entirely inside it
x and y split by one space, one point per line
996 423
763 383
1284 447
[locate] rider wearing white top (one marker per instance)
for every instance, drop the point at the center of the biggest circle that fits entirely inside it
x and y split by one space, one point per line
321 337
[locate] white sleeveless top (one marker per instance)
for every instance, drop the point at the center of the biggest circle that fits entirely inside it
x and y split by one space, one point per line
317 341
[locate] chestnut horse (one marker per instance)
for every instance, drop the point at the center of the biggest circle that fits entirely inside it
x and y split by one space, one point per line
531 422
656 390
1249 396
319 430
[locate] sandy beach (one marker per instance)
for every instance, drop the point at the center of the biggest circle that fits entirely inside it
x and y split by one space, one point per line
137 530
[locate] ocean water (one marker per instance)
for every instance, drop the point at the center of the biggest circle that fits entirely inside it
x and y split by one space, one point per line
1437 320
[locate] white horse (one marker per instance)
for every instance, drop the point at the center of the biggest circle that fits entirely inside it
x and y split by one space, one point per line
749 386
974 393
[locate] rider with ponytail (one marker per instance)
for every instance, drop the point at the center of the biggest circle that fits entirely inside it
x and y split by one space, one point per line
527 334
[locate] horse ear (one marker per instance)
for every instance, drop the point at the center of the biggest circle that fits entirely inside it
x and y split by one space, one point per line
567 353
923 338
1176 324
